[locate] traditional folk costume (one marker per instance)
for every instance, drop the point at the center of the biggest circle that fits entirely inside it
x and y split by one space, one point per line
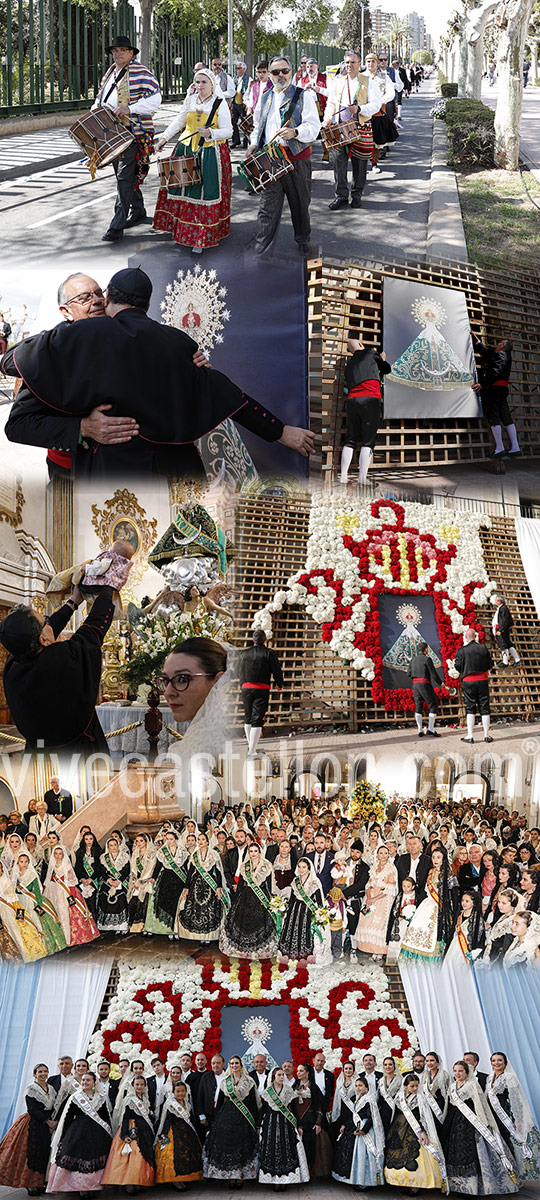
282 1155
178 1149
367 1164
25 1148
343 1117
435 1090
140 883
494 376
431 928
170 881
28 890
112 902
363 371
130 1162
242 86
363 92
384 130
60 887
474 662
19 927
401 914
502 632
296 109
231 1147
469 938
135 87
515 1123
200 915
408 1162
387 1090
249 929
81 1144
373 924
88 870
424 680
302 933
318 1147
200 215
478 1161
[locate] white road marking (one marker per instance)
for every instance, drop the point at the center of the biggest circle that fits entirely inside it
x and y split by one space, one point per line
68 211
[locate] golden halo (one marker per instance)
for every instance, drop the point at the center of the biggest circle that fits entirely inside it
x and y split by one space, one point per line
428 312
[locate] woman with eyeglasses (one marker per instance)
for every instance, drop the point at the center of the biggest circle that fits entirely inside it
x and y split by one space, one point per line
189 674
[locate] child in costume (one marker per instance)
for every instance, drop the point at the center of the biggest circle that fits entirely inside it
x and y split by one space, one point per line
109 569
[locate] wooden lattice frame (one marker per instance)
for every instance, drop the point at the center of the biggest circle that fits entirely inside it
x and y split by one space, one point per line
345 299
320 690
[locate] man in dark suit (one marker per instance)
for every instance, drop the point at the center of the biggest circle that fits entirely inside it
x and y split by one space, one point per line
355 892
260 1073
472 1059
59 801
322 861
272 850
16 824
108 1086
155 1086
235 859
470 873
65 1068
369 1074
322 1091
208 1091
414 865
194 1082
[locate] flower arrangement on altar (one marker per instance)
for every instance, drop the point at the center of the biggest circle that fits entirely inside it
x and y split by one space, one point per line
155 635
359 549
171 1007
367 798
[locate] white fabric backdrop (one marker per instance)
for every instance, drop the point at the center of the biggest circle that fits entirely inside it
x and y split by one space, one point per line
528 537
446 1012
69 997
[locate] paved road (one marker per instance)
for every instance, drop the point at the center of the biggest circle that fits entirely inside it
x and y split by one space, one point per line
60 213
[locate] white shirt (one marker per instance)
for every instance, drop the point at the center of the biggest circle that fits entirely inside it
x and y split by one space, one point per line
229 91
371 1081
141 108
320 1081
413 867
308 130
261 1081
218 1082
348 93
193 104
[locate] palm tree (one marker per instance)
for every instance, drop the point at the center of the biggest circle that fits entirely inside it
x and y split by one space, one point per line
397 33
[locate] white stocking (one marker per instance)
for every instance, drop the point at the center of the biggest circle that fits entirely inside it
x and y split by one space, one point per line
418 721
505 657
431 722
514 654
512 434
470 725
247 731
256 731
366 455
485 724
346 460
497 434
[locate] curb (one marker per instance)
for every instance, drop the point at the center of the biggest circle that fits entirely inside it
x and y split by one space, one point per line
445 234
47 164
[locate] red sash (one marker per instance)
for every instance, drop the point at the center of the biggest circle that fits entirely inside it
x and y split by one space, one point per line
370 387
481 678
61 458
265 687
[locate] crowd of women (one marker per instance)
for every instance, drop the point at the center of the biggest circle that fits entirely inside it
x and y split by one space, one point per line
305 881
469 1133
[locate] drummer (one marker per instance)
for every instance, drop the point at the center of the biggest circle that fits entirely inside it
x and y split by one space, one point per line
292 111
133 93
317 81
261 83
242 84
354 93
199 215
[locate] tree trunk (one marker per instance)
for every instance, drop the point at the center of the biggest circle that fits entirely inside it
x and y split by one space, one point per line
534 59
463 55
146 31
517 14
475 29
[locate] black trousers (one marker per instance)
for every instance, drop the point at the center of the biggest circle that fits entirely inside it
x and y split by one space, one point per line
496 406
127 199
476 696
255 701
296 186
363 418
424 693
505 639
237 112
341 161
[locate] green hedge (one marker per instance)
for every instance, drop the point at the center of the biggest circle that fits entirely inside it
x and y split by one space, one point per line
471 134
448 90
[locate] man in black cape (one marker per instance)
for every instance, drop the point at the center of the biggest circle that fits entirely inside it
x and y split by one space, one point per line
146 372
51 686
424 680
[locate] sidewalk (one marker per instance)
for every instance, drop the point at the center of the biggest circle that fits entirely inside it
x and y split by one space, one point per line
24 154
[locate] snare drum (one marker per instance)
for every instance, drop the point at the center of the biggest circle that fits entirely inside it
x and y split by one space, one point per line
101 135
246 125
335 136
261 169
179 172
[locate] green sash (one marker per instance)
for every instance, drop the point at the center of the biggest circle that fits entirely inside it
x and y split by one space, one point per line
310 904
40 900
173 864
199 866
115 872
286 1112
89 870
215 546
242 1108
259 893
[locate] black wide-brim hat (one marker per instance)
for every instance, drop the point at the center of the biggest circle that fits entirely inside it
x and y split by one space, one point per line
121 43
